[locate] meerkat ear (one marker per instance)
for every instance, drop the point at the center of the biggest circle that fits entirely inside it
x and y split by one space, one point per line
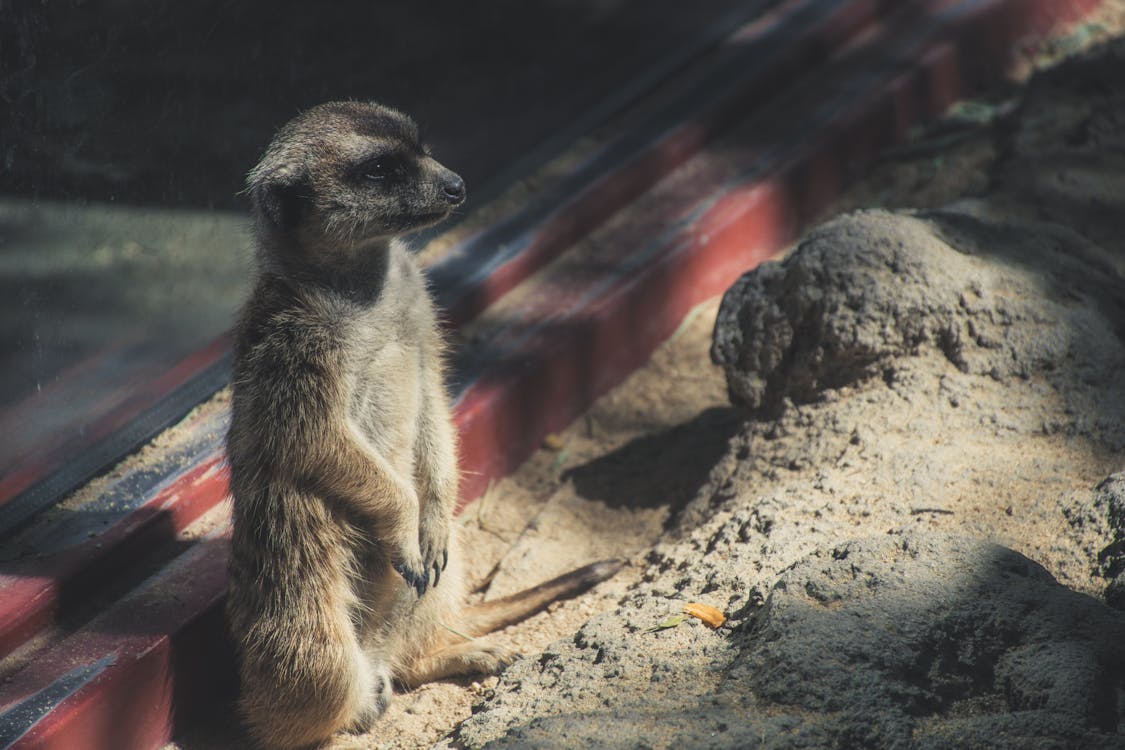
279 196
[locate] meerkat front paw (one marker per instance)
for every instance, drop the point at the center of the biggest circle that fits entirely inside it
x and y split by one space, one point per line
434 543
408 563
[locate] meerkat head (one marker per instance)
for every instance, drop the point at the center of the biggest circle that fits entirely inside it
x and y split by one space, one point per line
343 174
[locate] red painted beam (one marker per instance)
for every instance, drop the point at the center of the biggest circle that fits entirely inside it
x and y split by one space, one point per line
789 39
609 327
35 592
766 56
506 415
118 683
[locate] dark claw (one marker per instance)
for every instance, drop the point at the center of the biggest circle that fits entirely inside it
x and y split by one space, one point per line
437 574
417 582
404 571
444 558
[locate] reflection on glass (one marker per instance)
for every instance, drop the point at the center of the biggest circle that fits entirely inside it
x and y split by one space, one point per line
127 127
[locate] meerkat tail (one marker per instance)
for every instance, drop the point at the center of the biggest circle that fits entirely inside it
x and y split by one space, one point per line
479 619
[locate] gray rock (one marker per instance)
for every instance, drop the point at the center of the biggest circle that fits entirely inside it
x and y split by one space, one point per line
857 291
1099 517
873 286
1115 592
910 640
1110 501
938 641
1064 159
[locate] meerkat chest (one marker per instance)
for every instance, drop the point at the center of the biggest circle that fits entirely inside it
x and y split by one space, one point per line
388 370
386 398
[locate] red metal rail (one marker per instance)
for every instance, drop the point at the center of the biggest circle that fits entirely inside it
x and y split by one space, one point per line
49 584
121 679
751 66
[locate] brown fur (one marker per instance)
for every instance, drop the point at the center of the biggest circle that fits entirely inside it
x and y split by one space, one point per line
344 573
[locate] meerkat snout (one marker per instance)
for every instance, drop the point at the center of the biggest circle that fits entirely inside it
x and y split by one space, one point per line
454 189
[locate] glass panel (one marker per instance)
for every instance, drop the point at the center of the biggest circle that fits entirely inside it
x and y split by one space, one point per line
128 127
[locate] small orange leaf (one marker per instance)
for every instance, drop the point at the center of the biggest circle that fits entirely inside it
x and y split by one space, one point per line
553 442
713 617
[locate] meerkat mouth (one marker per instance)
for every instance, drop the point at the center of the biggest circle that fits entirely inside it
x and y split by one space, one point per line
379 231
422 221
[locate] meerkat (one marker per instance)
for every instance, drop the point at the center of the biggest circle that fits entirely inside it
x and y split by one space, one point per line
345 573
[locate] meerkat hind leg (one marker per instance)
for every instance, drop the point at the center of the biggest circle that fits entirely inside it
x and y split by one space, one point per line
478 656
378 698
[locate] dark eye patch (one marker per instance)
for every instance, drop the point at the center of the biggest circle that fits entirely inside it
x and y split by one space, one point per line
380 168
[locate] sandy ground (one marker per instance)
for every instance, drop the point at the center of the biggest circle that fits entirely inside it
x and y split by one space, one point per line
711 502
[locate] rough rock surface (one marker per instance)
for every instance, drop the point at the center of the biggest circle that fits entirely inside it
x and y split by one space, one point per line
1064 159
937 641
905 640
874 286
1102 512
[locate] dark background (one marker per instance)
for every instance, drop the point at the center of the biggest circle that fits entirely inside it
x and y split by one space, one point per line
170 103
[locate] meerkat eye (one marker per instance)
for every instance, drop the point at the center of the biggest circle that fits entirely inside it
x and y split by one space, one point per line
384 168
376 170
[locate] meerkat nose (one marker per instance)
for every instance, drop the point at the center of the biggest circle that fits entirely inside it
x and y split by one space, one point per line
454 190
